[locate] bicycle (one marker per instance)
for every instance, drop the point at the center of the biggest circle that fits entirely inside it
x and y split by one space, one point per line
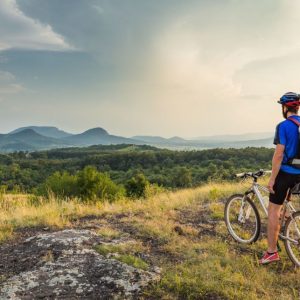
243 220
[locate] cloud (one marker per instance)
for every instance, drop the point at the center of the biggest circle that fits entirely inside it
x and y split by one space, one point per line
202 52
9 85
98 8
180 63
18 31
6 76
11 88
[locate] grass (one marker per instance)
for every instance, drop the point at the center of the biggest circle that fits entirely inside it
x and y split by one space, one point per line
125 252
107 249
109 233
133 261
217 211
121 248
18 211
199 260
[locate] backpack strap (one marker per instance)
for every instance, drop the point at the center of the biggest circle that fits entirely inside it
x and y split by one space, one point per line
295 162
294 121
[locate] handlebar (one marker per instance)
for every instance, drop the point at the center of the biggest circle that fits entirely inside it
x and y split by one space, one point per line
254 175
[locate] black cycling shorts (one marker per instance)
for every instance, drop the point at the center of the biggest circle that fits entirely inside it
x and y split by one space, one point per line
283 183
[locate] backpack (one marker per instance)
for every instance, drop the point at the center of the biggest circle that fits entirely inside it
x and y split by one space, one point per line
295 161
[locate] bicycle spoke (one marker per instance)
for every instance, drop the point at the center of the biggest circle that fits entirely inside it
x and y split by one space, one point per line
242 220
293 238
297 229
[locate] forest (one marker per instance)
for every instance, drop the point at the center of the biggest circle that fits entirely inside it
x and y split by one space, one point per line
125 164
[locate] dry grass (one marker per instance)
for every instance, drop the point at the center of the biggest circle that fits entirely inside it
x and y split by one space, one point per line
194 265
108 232
17 211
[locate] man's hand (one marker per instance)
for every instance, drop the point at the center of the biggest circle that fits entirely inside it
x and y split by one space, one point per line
276 164
271 185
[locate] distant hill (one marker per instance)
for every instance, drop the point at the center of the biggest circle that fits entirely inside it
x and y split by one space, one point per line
28 140
160 140
268 143
236 137
222 141
177 139
33 138
48 131
98 136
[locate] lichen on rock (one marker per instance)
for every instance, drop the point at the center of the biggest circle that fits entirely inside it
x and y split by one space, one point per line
69 268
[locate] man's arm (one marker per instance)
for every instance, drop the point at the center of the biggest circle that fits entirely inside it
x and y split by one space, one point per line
276 164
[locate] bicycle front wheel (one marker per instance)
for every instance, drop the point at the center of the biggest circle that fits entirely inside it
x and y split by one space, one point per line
242 219
292 235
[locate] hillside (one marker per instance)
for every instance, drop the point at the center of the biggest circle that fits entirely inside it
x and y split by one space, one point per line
28 139
98 136
222 141
52 137
166 168
49 131
181 235
34 138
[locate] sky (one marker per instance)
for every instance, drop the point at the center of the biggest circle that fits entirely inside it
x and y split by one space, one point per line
138 67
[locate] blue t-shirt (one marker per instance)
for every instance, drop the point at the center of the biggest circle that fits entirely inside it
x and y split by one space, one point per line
287 134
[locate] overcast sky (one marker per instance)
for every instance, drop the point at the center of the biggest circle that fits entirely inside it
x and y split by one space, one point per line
159 67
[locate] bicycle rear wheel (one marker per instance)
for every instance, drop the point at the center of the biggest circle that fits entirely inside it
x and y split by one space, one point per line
292 233
242 219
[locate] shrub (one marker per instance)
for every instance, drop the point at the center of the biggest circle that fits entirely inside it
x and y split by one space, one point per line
153 190
87 184
93 185
137 186
182 177
61 184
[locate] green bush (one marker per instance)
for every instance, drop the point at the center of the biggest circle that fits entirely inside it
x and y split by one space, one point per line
137 186
93 185
87 184
61 185
153 190
182 177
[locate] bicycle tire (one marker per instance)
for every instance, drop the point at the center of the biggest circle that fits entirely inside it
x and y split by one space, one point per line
235 236
287 243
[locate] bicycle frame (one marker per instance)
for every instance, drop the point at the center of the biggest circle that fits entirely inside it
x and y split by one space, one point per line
255 189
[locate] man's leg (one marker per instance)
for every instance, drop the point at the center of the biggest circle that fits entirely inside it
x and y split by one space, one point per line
273 226
281 187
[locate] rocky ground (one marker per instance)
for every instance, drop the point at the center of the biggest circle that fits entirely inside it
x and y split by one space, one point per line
40 263
65 265
164 248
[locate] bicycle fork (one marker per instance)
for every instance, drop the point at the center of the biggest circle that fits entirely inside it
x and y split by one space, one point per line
243 216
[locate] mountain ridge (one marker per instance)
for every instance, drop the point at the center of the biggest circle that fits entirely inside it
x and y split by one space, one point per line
28 140
50 131
34 138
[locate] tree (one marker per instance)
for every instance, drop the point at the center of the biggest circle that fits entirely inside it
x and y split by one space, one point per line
61 184
182 177
137 186
93 185
87 184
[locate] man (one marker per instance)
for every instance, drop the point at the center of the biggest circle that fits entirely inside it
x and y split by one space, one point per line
284 175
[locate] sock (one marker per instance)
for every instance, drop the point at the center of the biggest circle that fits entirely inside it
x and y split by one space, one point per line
271 253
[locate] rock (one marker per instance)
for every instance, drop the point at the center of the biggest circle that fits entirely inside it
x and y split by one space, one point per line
179 230
156 269
76 271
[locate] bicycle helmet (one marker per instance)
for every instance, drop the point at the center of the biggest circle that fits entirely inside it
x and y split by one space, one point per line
290 99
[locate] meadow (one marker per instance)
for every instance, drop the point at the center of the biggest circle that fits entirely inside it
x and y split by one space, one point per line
182 232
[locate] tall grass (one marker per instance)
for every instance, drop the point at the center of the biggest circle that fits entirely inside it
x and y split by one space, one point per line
18 210
194 265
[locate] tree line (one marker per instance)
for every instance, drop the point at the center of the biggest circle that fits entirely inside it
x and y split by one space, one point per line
123 168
